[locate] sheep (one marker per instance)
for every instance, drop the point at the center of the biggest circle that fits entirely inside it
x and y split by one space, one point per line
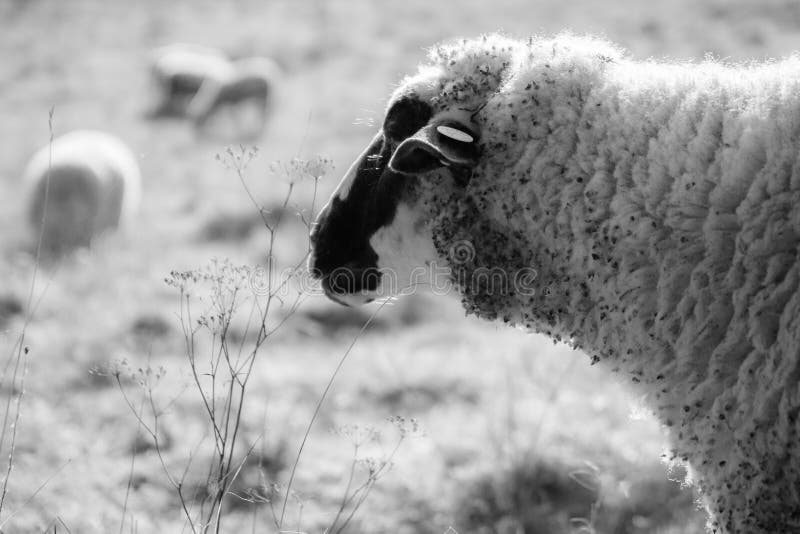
178 71
654 208
82 184
249 82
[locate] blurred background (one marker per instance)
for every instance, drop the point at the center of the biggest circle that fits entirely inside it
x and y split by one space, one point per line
516 435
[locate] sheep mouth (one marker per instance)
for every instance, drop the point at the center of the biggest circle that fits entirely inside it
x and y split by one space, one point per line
351 281
351 286
343 274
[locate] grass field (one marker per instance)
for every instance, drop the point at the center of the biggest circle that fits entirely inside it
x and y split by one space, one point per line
517 434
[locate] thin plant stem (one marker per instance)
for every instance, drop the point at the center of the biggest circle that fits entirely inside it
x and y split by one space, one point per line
35 493
19 347
130 478
319 406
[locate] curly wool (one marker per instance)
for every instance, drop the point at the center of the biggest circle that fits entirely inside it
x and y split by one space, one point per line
660 205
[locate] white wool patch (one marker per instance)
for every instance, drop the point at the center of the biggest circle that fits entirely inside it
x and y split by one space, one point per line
405 252
343 189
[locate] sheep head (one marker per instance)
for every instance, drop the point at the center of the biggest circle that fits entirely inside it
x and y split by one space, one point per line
373 238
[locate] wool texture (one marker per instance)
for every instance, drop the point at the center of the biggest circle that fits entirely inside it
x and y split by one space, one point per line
659 204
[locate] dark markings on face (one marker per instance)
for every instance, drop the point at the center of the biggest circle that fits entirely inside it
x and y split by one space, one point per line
343 256
405 117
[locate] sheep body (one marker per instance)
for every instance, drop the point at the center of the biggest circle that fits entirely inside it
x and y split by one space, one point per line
660 206
94 186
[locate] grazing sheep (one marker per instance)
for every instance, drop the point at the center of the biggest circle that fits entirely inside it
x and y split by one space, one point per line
659 205
249 83
179 70
94 186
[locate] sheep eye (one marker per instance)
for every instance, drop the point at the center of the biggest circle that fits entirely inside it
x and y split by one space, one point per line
455 134
405 117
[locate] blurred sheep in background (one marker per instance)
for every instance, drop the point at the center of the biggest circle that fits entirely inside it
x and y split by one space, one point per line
243 93
179 70
82 184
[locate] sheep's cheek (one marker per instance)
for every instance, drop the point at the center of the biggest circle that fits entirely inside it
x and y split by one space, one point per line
404 250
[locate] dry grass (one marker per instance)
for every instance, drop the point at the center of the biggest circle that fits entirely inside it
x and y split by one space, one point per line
508 417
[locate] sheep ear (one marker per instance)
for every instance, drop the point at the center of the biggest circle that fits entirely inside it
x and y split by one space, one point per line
443 145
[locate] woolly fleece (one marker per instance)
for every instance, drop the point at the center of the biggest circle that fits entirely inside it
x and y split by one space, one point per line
660 205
